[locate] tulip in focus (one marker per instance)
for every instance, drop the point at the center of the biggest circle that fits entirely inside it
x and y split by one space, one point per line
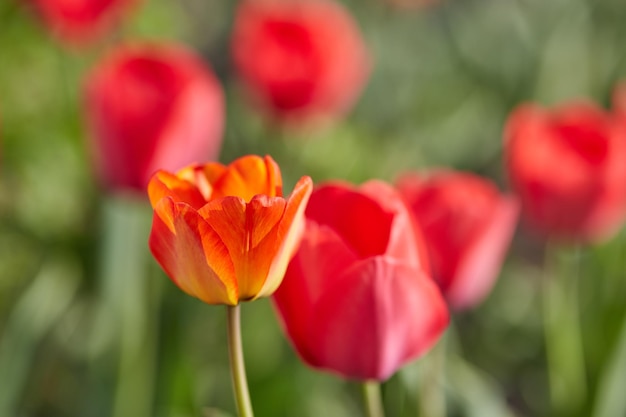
151 107
357 298
81 21
299 60
567 165
225 234
467 225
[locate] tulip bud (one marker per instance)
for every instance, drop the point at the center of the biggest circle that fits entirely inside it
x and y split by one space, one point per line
151 107
567 166
467 226
299 60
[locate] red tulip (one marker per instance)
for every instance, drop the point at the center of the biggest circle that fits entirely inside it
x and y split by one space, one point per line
301 59
225 234
568 166
357 298
81 21
467 225
152 107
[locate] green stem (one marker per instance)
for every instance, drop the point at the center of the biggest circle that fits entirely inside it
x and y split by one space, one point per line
564 347
132 299
432 398
373 399
237 366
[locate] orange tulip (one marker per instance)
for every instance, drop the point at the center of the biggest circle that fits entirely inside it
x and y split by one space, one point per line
225 234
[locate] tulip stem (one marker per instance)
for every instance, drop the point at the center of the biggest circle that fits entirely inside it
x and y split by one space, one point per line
432 396
373 399
237 366
564 348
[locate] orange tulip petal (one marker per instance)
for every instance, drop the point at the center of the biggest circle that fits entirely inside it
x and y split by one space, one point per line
192 254
249 232
288 235
264 214
205 176
195 175
227 216
163 184
249 176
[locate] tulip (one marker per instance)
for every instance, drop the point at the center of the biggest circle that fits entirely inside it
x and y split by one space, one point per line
467 225
225 234
81 21
151 107
299 60
567 166
357 298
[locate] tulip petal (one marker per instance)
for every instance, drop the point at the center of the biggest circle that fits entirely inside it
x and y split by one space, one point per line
248 176
195 174
196 116
556 201
480 263
322 257
379 315
243 227
350 211
163 184
192 254
410 247
285 239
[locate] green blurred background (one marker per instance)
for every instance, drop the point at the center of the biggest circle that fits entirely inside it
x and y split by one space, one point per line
90 326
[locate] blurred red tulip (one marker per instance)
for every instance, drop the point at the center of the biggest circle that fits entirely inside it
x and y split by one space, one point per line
300 60
568 166
225 234
357 298
81 21
152 107
467 225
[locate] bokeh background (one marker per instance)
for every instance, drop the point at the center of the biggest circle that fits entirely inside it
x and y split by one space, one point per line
90 326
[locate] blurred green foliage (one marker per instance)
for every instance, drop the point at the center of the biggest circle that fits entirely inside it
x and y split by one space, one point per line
90 326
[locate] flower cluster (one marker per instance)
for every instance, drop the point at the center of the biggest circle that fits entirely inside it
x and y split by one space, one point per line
363 279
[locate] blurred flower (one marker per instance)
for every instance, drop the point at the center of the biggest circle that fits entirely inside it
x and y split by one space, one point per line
300 60
152 107
225 234
568 166
357 298
467 225
81 21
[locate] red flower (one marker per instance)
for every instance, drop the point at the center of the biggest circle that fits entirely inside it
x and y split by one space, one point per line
301 59
80 21
467 225
152 107
225 234
568 166
357 298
